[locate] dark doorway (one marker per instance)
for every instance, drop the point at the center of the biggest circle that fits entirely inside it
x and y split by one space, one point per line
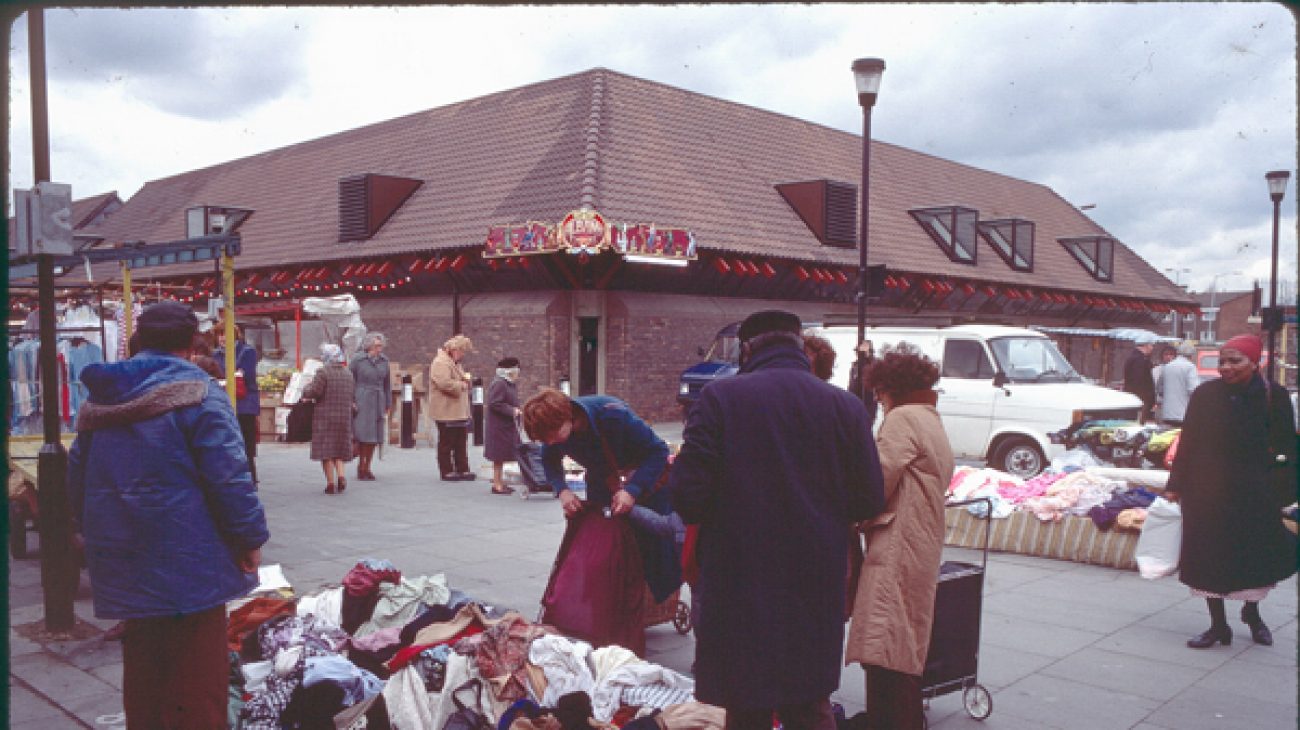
588 354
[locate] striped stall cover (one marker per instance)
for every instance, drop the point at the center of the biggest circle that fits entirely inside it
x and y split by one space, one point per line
1073 538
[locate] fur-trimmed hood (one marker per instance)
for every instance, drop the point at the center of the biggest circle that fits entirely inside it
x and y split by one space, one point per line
147 385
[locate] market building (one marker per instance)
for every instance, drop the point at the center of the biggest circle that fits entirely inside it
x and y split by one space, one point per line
602 227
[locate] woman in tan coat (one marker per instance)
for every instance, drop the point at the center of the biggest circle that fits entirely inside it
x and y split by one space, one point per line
449 408
894 605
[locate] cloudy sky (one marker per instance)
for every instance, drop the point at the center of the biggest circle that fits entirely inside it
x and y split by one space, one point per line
1165 116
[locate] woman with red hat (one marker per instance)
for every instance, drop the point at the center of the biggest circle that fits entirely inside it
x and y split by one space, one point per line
1234 472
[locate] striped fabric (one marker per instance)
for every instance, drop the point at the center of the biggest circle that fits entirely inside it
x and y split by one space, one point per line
1073 538
657 696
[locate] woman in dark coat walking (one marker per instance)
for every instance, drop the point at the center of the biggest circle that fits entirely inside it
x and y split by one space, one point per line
374 391
1234 471
331 420
501 435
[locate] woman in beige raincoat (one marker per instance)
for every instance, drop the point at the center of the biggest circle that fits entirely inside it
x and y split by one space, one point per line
894 605
449 387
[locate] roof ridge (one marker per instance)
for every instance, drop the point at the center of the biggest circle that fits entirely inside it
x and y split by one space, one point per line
591 155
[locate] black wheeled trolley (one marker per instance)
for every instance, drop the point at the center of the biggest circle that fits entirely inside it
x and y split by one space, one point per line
952 663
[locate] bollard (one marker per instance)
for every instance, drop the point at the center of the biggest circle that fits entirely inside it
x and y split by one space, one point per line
408 413
476 411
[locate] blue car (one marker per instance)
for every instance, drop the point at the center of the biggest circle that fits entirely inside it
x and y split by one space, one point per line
722 360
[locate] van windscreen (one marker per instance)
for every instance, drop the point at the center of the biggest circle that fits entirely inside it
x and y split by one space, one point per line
1032 360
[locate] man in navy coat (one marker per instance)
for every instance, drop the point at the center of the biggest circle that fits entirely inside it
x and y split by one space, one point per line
775 467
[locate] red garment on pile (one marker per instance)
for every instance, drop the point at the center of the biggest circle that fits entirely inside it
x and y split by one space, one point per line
245 619
597 591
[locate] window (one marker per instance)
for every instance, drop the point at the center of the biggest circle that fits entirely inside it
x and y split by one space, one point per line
212 220
966 359
1032 360
1095 253
953 228
1013 239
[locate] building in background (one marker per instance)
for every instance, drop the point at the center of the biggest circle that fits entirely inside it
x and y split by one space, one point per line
602 228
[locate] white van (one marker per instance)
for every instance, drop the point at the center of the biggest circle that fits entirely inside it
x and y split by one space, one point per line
1002 390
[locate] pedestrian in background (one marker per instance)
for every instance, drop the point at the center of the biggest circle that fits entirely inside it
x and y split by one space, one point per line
1138 379
331 419
894 606
159 486
1234 472
775 467
1178 378
821 355
449 386
374 394
857 378
248 402
501 432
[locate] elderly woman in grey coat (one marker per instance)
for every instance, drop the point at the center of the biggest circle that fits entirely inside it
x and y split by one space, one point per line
331 420
373 395
501 435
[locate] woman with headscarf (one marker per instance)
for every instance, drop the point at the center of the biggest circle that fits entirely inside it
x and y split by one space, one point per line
1234 472
374 393
331 419
893 609
500 433
449 408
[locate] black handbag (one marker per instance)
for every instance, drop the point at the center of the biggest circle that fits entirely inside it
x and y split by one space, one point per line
298 424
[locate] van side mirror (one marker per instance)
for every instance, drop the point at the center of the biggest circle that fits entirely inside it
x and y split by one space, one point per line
1000 380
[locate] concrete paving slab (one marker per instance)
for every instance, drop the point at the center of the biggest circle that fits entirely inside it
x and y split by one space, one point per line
1214 709
52 677
1044 701
1166 646
1248 681
1000 666
1125 673
1036 637
1014 603
27 706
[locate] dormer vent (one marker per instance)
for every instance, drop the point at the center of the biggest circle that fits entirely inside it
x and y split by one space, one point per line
829 209
367 201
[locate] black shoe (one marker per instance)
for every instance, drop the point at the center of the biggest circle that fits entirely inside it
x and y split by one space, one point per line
1211 637
450 477
343 484
466 476
1260 633
329 489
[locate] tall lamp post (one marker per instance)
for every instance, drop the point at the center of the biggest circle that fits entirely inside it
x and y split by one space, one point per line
866 75
1276 190
1178 283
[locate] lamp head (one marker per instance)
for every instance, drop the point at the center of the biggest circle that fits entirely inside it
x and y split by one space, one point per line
1277 181
866 75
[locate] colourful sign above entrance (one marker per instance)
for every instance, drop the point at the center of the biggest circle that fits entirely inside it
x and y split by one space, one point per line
588 232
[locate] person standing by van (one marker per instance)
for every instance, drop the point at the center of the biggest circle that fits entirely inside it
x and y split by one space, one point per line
857 378
1178 379
1138 379
894 607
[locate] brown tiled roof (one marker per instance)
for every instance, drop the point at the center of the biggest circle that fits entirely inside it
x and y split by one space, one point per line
85 210
642 152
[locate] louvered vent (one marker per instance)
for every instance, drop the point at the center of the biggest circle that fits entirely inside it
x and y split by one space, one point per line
841 214
353 206
827 207
367 201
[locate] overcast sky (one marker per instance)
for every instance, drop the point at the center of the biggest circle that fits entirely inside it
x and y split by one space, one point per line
1165 116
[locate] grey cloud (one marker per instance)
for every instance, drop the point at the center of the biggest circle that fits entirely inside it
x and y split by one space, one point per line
192 63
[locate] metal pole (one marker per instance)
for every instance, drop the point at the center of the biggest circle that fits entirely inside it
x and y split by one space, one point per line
864 223
59 572
228 294
1274 321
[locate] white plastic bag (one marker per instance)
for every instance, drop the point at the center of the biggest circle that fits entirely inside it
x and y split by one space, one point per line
1161 539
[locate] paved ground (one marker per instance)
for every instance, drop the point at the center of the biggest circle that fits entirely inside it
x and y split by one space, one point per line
1063 645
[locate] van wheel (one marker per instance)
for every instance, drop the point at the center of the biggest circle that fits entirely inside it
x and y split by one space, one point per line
1019 457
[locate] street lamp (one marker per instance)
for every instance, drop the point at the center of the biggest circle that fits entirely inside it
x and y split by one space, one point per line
1178 283
866 75
1214 294
1276 190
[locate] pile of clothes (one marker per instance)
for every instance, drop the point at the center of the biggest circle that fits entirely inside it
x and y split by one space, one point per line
385 651
1053 495
1122 443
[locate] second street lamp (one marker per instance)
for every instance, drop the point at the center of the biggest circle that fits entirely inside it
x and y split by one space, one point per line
1276 190
866 75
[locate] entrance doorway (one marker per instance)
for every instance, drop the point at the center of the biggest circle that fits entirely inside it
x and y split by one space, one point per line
588 355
